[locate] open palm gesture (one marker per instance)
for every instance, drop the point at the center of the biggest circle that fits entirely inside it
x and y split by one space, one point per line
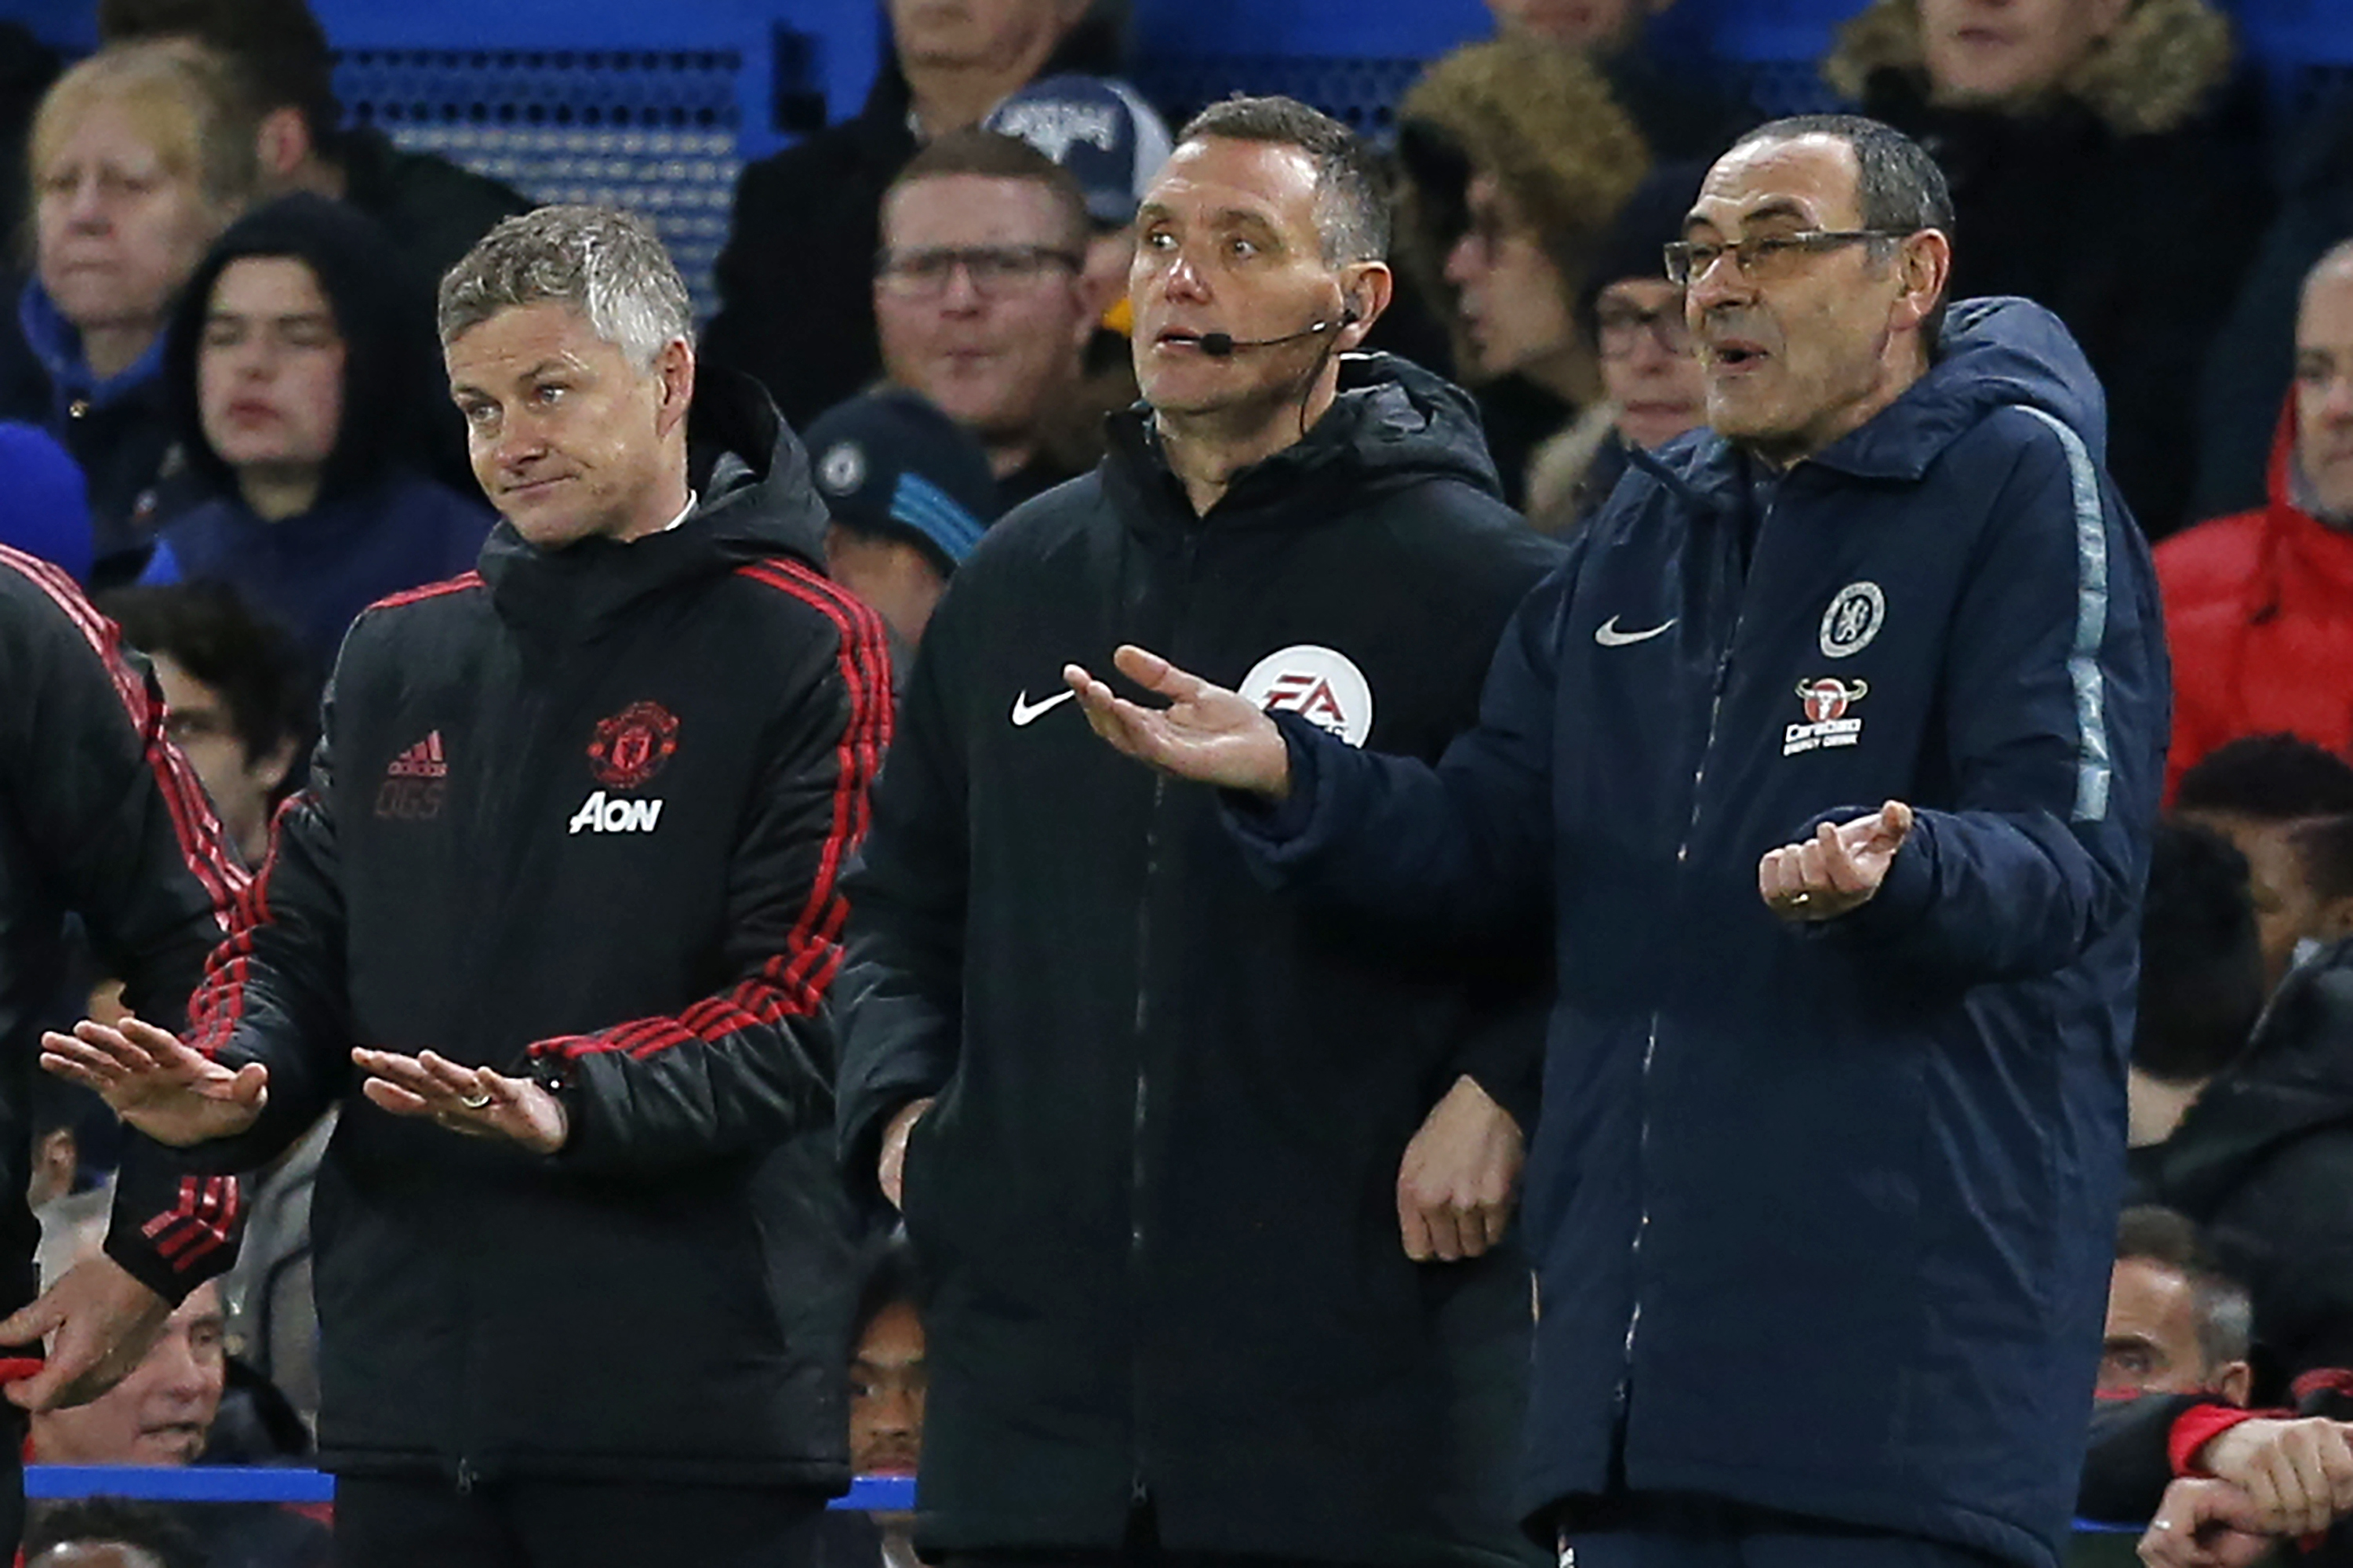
1206 733
173 1094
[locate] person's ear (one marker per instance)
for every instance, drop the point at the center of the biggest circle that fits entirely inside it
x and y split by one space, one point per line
270 768
1924 269
1366 289
2236 1384
675 365
282 143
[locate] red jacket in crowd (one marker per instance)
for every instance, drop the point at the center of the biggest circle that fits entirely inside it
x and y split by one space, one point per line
2259 613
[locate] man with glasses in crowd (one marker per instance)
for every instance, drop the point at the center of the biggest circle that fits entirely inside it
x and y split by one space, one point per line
982 306
1830 757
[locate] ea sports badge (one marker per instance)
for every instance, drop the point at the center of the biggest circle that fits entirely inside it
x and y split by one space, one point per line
1320 684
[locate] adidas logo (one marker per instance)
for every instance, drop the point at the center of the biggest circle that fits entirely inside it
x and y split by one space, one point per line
423 760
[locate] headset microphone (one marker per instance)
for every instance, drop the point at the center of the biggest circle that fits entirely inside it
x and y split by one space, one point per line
1222 345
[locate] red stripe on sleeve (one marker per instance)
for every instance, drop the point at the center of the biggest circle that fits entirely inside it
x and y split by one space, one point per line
793 981
203 848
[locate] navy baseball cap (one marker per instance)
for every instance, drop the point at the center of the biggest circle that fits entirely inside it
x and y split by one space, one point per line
1109 139
890 463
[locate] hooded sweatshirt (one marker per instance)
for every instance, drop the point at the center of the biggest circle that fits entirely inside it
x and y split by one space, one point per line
2259 612
378 525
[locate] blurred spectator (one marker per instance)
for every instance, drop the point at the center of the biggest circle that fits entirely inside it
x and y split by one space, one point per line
796 307
239 701
2098 167
299 366
141 156
1650 376
1111 143
2265 793
44 504
982 306
1681 112
2259 607
2201 975
163 1412
910 493
2250 366
273 1317
2264 1163
1516 163
432 210
108 1532
887 1385
2177 1323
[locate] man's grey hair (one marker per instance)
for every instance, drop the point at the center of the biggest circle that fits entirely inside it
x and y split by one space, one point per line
1898 187
609 266
1352 194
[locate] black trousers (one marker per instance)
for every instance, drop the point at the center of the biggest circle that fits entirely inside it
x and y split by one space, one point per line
1142 1549
1652 1530
401 1523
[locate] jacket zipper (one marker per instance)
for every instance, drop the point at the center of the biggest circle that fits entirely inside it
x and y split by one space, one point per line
1650 1044
1140 1482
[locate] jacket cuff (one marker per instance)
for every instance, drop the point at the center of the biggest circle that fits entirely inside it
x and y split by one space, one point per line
1904 896
1269 826
171 1235
2194 1428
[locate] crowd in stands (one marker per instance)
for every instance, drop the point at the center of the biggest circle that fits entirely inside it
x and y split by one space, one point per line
223 411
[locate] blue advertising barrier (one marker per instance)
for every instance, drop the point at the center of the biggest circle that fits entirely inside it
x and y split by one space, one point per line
243 1483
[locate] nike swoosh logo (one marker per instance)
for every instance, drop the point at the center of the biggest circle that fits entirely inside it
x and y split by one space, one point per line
1026 712
1609 636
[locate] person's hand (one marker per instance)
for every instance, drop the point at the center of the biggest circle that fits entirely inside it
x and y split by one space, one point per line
1206 733
2204 1523
2298 1474
472 1100
1455 1185
891 1169
1835 871
104 1321
159 1086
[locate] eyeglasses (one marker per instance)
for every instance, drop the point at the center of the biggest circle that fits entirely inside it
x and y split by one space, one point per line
993 269
1766 256
1619 329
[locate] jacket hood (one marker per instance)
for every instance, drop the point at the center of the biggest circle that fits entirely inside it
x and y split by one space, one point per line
2296 1077
1393 424
392 375
1544 123
752 501
2151 74
1995 353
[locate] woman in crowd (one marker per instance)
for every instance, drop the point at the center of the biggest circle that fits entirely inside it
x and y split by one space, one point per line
140 156
1516 161
301 371
2101 165
1650 379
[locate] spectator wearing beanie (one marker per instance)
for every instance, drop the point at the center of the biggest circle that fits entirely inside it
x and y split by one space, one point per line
300 369
1674 99
1516 161
911 493
2098 166
1650 375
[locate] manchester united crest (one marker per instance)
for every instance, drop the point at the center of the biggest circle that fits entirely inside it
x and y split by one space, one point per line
632 747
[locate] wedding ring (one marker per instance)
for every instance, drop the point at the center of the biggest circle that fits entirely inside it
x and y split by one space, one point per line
474 1102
